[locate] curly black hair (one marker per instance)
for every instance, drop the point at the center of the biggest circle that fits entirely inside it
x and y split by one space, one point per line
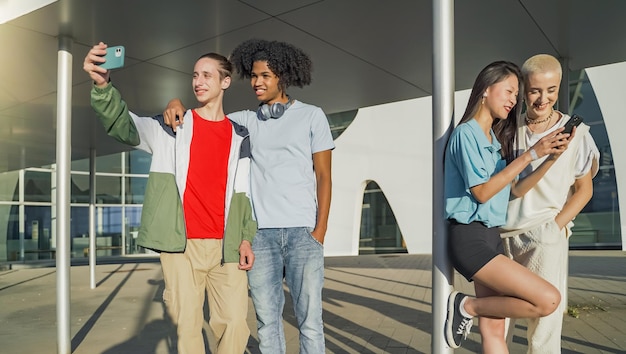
292 66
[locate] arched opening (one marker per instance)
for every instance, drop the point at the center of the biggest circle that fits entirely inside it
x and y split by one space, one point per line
598 224
379 229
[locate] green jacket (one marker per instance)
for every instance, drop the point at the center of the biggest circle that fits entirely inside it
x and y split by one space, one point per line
162 220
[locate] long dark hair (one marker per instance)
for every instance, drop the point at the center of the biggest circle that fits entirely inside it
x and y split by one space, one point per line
505 129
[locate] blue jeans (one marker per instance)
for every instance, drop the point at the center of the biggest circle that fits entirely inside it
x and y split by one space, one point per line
302 257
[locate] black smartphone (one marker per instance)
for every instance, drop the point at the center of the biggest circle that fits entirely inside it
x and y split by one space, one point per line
574 121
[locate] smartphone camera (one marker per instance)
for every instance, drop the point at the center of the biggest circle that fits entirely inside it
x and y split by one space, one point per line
114 58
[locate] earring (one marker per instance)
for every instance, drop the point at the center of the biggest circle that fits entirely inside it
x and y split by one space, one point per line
483 100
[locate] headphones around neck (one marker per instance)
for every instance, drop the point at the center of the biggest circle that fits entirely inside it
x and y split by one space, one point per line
273 111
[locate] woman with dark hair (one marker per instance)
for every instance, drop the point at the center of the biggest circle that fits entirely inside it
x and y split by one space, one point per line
478 180
291 189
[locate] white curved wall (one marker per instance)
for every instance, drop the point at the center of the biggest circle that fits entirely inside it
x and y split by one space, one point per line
608 84
392 145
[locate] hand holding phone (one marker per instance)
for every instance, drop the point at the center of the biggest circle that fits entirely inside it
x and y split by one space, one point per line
114 58
574 121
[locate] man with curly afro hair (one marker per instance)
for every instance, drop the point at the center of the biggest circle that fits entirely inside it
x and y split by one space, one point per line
291 191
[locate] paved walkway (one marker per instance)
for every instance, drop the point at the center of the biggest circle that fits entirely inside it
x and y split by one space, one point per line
372 304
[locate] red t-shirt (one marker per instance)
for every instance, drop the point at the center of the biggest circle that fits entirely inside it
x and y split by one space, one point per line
205 193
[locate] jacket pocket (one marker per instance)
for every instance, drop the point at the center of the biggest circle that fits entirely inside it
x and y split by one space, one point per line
162 219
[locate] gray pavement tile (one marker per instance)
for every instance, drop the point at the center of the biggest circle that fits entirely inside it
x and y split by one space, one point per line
372 304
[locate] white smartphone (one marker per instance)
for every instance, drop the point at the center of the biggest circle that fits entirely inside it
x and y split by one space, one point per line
114 58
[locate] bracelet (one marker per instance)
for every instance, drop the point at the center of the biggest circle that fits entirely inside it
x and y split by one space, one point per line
533 154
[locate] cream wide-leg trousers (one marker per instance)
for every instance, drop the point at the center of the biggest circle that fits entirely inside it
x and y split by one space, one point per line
543 250
188 277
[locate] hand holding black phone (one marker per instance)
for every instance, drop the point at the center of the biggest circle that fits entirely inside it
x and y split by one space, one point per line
574 121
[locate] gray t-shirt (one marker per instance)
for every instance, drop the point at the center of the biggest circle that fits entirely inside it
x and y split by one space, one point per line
283 181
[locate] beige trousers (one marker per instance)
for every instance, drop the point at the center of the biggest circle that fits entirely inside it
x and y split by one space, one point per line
543 250
188 277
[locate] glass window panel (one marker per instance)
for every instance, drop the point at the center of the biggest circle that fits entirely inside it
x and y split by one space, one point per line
79 230
108 190
38 242
80 189
13 223
379 229
37 186
79 225
598 224
9 183
108 231
138 162
80 165
133 218
340 121
109 163
9 229
109 221
135 189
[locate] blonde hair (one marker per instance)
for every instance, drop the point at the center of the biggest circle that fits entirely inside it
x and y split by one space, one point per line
541 63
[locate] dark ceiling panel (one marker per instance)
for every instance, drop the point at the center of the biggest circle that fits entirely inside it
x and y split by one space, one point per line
365 52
